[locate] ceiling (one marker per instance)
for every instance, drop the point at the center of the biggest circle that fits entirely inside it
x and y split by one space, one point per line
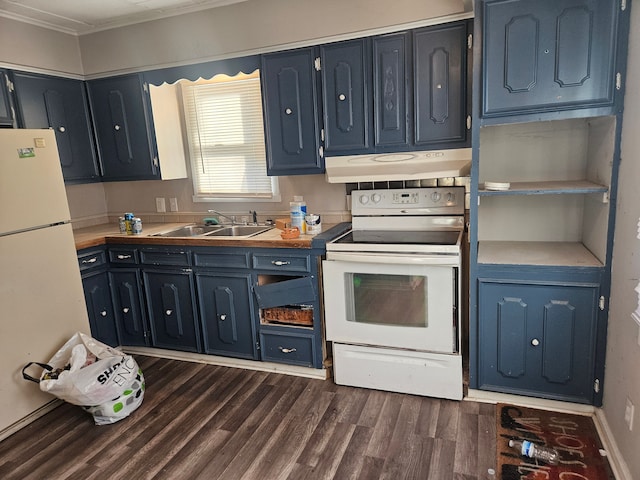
85 16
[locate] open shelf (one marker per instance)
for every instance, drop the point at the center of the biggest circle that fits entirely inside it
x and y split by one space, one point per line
548 188
570 254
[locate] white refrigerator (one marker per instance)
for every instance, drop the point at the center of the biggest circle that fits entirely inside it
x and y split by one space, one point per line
41 298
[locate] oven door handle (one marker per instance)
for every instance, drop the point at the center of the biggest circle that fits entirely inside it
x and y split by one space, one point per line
416 259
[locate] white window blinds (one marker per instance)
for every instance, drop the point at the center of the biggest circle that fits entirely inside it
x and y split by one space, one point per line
226 138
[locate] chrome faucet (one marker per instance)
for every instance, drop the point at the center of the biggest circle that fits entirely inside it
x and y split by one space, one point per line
254 217
232 217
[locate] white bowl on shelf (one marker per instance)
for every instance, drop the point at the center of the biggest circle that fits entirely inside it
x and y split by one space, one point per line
498 186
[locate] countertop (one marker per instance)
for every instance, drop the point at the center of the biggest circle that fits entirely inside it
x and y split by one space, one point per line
110 234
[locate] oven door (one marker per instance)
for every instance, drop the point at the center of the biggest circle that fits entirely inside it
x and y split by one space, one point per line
381 301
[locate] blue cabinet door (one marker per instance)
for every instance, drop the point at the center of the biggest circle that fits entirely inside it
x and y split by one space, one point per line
6 114
60 104
226 314
124 128
171 308
346 95
128 307
547 55
290 95
391 89
439 85
97 297
538 339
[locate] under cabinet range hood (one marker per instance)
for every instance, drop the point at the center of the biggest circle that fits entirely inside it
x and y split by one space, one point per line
418 165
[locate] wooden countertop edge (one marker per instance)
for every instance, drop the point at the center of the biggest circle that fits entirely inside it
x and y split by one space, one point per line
109 234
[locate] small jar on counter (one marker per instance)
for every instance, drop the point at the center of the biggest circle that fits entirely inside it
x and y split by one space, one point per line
128 223
313 223
136 226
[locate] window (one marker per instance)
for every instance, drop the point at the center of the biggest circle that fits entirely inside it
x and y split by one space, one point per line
225 135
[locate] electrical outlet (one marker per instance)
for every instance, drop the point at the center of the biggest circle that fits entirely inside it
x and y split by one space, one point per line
629 410
173 204
160 205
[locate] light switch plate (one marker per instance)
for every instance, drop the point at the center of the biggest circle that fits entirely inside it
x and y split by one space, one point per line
160 205
173 204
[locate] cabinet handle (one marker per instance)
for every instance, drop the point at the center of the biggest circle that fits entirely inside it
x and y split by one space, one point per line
287 350
168 312
116 127
535 342
125 310
91 260
280 263
61 129
288 111
223 317
123 257
342 97
103 313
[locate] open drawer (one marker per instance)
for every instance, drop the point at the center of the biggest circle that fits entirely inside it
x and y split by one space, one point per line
284 300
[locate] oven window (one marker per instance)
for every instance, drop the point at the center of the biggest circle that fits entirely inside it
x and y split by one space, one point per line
398 300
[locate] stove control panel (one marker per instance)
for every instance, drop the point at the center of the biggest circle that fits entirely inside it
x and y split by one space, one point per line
407 201
406 197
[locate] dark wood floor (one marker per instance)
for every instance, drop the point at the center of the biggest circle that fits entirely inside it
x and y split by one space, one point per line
208 422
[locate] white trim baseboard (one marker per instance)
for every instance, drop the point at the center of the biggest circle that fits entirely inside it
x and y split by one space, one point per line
618 465
318 373
531 402
24 421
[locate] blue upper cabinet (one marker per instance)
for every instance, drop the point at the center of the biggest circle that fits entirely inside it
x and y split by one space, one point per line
440 100
548 55
290 96
346 95
124 128
392 61
60 104
6 115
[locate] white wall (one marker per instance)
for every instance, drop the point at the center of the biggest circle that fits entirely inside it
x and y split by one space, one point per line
247 27
622 379
24 46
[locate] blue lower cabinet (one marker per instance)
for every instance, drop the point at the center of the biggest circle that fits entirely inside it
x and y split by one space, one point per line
538 339
171 308
290 348
128 307
226 314
99 308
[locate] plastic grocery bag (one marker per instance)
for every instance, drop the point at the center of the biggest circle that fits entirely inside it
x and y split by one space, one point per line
106 382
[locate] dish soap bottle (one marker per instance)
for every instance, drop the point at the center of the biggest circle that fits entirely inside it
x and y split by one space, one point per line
297 212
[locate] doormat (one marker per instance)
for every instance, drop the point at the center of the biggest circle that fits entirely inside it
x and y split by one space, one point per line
573 436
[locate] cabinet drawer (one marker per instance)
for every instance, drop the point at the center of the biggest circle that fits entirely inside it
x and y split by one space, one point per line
279 293
92 259
221 260
287 348
126 256
165 256
283 263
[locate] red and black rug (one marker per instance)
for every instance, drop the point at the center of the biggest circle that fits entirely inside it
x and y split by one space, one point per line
573 436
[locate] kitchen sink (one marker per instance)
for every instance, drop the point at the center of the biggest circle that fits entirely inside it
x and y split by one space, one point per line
239 231
215 231
190 231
